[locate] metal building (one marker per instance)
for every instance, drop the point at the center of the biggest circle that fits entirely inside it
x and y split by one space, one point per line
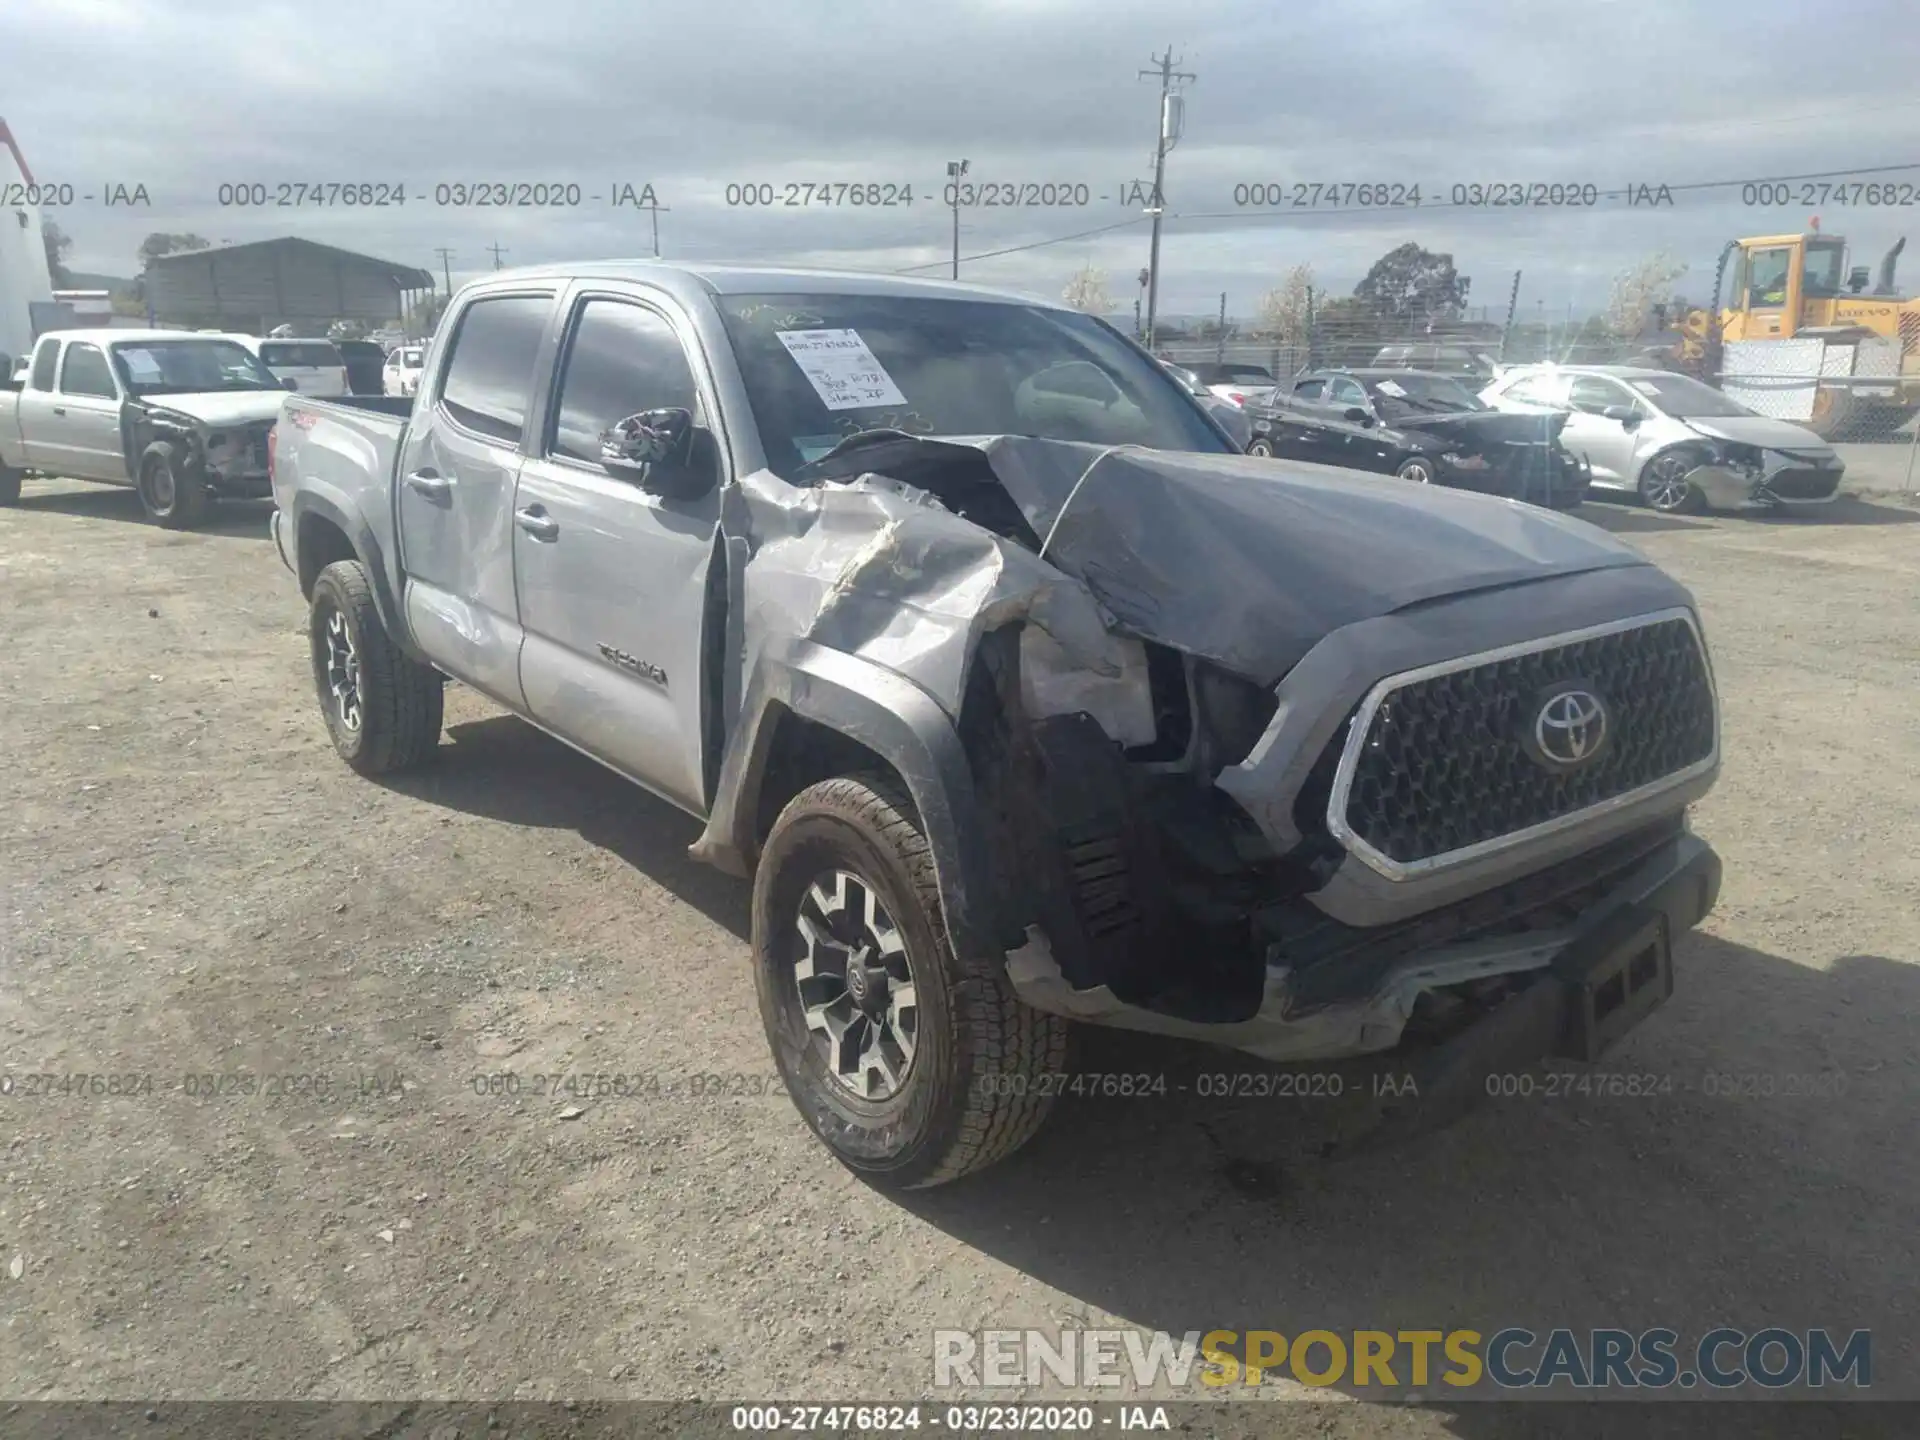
256 286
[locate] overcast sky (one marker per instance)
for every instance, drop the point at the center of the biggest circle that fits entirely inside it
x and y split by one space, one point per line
692 96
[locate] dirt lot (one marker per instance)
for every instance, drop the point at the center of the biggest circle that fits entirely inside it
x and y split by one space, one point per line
196 887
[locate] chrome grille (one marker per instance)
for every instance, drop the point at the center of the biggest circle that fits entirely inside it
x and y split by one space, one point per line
1436 767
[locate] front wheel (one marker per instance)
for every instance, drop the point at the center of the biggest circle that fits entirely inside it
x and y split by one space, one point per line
1417 469
912 1065
383 710
1260 447
170 492
1664 485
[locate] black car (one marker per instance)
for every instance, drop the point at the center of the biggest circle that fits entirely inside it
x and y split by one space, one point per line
366 366
1420 426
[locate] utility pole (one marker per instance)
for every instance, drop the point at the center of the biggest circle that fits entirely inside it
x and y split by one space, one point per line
955 169
1513 301
1220 346
1170 118
446 266
497 253
655 210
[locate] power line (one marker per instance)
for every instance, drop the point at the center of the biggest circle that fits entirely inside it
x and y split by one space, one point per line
1031 245
1353 211
1350 211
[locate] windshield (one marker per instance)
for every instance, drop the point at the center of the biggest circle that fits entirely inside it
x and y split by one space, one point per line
1825 262
161 367
1686 399
1422 394
819 368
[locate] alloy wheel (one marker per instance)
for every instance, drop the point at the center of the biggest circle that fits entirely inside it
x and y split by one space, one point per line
343 670
853 986
1666 483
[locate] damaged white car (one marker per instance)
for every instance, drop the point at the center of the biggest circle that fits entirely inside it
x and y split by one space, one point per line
1021 697
184 419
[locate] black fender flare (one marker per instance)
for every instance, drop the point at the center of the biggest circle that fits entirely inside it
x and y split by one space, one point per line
898 721
317 500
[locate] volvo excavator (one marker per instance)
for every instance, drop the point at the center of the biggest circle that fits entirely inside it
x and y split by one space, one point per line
1801 335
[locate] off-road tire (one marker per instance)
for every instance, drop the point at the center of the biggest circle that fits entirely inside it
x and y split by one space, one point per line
401 702
183 503
1261 447
10 485
977 1088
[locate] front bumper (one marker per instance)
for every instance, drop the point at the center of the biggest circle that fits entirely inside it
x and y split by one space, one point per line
1727 487
1677 883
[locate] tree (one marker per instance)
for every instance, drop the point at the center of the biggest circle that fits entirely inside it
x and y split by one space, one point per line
160 243
1637 289
1087 291
58 243
1285 311
1409 285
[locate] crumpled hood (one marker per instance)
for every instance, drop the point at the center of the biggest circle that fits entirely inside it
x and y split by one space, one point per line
1759 430
214 408
1246 561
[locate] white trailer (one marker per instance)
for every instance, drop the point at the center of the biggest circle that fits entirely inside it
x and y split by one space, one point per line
26 283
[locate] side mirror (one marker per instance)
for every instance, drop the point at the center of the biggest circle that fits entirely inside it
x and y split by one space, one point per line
1625 414
1357 415
289 383
655 450
1857 278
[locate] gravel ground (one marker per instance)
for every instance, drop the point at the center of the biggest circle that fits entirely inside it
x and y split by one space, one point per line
195 887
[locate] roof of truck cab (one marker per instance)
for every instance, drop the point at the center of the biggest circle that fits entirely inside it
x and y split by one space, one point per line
766 280
122 337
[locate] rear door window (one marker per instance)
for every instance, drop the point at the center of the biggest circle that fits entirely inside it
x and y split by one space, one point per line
488 380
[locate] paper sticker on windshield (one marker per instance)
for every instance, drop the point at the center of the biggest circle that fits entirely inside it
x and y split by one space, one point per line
142 364
1646 387
1388 387
841 369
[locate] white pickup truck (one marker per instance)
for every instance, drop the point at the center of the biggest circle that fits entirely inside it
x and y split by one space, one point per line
184 419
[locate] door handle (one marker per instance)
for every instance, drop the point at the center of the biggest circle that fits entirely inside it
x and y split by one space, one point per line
59 409
537 523
430 484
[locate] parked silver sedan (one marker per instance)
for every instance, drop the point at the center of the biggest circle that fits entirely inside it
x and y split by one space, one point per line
1231 417
1676 443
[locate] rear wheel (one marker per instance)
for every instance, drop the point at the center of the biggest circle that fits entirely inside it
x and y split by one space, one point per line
1416 468
1664 485
10 484
383 710
912 1065
171 494
1261 447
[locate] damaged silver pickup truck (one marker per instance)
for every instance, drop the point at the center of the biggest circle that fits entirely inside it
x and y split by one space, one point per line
1022 698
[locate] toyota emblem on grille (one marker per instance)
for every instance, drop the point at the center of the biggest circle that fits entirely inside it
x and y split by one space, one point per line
1570 728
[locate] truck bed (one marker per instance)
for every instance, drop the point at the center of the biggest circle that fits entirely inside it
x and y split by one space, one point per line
343 450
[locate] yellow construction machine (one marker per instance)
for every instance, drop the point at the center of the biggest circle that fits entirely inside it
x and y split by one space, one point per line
1801 336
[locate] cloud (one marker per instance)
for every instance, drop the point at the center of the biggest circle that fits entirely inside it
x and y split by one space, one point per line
185 96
